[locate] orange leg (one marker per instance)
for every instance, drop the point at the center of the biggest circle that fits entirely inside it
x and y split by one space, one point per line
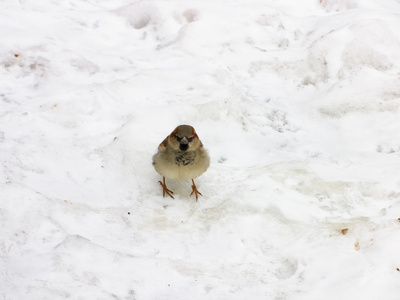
165 189
195 191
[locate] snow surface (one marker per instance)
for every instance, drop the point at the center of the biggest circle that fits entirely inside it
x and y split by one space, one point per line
296 101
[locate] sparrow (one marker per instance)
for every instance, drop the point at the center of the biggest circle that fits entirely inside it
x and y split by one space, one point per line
181 156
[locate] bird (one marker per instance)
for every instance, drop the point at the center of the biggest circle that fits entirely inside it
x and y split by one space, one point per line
181 156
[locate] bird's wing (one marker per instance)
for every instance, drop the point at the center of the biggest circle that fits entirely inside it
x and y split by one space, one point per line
163 146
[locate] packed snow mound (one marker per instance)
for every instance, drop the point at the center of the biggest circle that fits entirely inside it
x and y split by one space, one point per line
297 104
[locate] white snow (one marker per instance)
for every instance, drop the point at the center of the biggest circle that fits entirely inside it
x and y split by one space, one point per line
296 101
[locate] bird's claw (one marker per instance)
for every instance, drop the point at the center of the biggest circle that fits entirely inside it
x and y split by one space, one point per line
195 191
166 190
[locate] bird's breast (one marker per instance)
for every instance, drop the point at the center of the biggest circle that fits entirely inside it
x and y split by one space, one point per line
185 158
181 165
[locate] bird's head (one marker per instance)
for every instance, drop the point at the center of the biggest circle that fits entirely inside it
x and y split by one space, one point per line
184 138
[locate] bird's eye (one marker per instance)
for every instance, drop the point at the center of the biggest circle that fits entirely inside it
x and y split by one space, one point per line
190 139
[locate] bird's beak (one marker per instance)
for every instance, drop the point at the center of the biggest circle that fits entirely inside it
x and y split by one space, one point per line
184 144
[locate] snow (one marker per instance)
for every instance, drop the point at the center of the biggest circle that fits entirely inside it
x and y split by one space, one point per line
297 103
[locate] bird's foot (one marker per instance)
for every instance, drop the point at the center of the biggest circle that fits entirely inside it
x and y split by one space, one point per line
195 191
165 189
